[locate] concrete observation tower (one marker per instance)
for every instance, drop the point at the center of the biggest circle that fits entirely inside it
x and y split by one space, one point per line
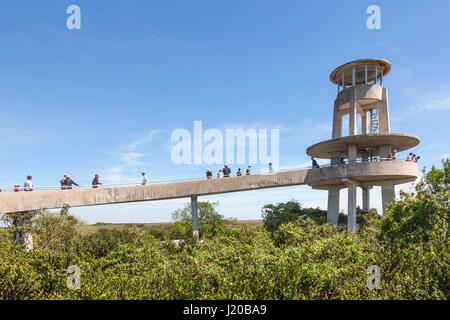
369 142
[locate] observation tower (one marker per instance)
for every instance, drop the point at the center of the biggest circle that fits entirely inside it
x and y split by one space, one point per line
367 144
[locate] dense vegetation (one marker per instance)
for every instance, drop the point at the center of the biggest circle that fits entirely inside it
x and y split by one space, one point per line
295 255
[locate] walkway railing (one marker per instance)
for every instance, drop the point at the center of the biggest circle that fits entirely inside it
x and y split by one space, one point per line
21 188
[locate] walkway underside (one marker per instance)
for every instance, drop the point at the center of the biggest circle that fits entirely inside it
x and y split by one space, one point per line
371 173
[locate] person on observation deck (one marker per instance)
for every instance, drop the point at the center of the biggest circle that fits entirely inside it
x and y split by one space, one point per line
226 171
67 183
239 172
144 178
270 167
95 181
28 184
314 163
247 172
220 174
208 174
393 155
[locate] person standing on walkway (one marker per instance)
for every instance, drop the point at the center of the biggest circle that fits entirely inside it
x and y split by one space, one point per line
67 182
144 178
226 171
220 174
208 174
270 167
239 172
247 172
314 163
28 185
95 181
63 182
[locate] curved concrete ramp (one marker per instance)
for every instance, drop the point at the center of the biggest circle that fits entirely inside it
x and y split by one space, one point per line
364 172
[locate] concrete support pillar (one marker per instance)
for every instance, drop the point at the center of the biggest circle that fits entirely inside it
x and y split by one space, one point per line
337 124
353 121
351 218
21 221
364 123
383 114
366 198
194 206
352 153
384 151
387 193
333 206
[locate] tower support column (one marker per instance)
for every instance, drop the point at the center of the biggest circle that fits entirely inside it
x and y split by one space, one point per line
333 205
194 207
387 193
353 123
21 221
366 198
351 218
364 123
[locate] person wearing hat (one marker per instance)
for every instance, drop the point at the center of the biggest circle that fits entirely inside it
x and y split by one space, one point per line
95 182
67 183
314 163
393 155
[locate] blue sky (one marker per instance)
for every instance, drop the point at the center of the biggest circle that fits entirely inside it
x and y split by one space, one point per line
105 99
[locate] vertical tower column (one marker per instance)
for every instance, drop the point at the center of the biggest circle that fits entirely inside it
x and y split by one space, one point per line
387 193
351 218
353 123
351 214
337 123
21 221
364 122
194 206
384 151
383 113
366 198
333 205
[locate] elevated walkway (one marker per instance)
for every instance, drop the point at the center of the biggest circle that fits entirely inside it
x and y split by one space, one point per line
371 173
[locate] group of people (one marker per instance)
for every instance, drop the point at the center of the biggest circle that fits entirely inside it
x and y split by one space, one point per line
412 157
392 156
226 172
67 182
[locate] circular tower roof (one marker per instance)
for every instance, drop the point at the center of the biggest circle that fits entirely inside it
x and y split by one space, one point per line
339 146
360 76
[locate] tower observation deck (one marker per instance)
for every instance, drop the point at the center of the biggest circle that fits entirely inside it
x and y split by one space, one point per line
363 98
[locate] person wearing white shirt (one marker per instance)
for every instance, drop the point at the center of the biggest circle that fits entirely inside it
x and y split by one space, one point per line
28 185
144 178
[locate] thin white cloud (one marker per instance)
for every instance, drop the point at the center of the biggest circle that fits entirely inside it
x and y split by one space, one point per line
132 145
437 104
